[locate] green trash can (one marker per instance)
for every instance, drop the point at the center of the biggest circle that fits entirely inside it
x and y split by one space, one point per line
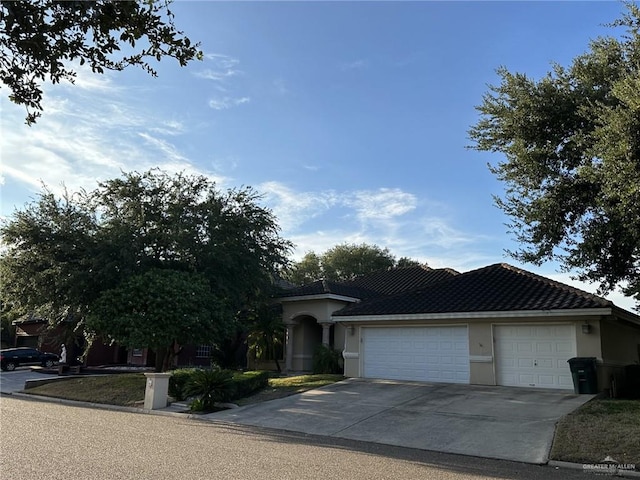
584 373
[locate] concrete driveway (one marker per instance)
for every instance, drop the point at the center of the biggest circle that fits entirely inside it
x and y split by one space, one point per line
14 381
495 422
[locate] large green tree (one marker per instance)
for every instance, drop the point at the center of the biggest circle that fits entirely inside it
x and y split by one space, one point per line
44 40
158 309
571 143
344 262
73 258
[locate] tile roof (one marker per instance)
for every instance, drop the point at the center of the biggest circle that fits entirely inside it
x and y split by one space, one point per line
397 280
381 283
499 287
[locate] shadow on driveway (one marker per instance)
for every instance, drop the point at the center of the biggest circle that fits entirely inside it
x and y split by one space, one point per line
506 423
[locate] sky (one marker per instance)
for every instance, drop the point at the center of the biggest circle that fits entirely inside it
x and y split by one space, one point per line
350 118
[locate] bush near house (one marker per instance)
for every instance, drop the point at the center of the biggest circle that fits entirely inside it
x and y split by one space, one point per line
327 360
211 386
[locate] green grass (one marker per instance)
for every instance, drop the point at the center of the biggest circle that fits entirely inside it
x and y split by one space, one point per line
122 389
128 389
599 429
284 386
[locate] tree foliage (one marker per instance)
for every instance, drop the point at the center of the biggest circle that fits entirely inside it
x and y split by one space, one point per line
156 308
344 262
102 258
46 39
571 142
266 332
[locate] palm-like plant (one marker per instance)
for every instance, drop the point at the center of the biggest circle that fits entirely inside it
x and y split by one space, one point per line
210 387
266 333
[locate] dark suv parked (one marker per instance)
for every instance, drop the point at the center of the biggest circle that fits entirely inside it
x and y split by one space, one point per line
14 357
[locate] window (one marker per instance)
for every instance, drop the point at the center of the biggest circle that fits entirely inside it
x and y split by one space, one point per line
203 351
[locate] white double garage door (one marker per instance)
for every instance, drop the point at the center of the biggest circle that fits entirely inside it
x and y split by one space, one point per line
524 355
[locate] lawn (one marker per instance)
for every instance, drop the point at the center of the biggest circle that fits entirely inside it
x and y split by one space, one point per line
128 389
600 429
123 389
284 386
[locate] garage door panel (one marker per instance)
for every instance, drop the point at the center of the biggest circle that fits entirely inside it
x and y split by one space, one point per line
534 356
439 354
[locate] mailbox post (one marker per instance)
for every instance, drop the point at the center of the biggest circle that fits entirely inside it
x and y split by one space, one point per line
157 391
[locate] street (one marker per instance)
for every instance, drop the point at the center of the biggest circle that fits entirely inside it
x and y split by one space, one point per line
55 441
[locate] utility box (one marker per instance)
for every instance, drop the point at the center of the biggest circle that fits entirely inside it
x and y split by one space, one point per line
584 373
156 394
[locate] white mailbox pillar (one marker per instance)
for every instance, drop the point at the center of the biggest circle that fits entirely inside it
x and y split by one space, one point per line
157 391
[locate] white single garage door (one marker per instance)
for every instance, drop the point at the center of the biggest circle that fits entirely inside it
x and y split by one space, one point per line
431 354
534 355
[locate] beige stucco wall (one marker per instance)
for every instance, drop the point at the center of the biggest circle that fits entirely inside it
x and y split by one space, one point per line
321 310
620 347
612 342
481 342
306 316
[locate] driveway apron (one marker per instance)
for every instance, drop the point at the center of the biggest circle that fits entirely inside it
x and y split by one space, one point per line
486 421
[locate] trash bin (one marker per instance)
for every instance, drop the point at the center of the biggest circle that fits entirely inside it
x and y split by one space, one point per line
583 371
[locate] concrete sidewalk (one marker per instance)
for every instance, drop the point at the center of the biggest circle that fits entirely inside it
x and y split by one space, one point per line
495 422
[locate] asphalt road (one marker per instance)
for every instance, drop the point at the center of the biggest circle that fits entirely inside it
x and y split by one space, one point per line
54 441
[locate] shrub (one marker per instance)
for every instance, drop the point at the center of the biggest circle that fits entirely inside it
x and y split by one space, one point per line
178 381
249 382
327 360
210 386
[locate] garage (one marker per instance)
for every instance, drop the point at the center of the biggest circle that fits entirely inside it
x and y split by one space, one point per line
428 354
534 355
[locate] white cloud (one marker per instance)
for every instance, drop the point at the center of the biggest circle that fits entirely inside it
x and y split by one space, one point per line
86 137
294 208
387 217
358 64
384 203
280 86
221 60
170 152
225 103
216 75
222 68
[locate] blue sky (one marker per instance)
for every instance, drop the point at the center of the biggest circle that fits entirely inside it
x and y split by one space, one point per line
351 118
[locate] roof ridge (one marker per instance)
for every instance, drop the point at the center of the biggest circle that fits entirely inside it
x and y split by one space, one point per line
551 282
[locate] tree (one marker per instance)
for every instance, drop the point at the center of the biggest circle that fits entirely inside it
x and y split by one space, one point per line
46 39
75 258
571 141
266 332
158 309
344 262
47 268
306 270
348 261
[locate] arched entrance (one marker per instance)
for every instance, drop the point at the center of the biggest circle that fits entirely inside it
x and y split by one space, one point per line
307 335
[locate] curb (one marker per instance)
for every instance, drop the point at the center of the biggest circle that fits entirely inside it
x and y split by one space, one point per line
102 406
580 466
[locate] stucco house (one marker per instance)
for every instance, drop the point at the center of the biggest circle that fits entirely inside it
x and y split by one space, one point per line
498 325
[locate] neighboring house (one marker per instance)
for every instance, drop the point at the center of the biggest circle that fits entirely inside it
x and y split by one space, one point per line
498 325
35 332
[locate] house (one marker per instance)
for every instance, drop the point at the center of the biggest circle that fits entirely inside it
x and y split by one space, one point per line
498 325
35 332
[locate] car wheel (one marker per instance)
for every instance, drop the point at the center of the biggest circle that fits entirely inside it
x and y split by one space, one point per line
10 366
48 363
